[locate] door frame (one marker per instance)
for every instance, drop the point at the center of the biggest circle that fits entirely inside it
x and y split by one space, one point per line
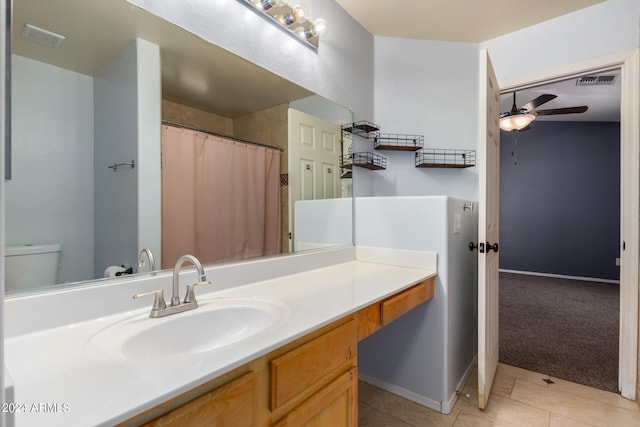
629 64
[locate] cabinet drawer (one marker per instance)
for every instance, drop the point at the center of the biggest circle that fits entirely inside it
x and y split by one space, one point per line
335 405
296 371
397 305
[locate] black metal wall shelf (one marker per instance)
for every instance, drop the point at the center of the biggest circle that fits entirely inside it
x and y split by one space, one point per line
365 160
388 141
362 128
445 158
384 141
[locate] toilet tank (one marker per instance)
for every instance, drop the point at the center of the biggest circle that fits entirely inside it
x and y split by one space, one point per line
31 266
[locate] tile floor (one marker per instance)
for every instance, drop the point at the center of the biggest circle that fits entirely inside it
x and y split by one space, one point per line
519 398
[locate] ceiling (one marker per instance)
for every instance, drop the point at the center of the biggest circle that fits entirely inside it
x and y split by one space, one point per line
455 20
603 100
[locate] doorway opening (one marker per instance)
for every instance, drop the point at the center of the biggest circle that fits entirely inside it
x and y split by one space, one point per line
560 191
629 198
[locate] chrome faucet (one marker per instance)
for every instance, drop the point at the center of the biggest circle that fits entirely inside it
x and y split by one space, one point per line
150 258
160 307
189 296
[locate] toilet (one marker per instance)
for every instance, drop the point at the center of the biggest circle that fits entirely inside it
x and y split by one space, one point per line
29 267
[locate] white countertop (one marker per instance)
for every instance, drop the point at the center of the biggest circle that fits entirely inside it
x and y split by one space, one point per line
54 368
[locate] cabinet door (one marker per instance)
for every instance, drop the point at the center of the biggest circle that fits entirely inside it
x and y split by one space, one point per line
295 372
229 405
335 405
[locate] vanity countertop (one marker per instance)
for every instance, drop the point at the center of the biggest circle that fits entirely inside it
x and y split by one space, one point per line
58 382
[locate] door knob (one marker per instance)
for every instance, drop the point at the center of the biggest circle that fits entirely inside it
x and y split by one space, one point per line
491 247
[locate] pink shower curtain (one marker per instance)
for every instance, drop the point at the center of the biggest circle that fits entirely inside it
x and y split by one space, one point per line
220 198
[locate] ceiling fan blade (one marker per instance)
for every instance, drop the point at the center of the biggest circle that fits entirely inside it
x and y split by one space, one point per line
534 103
555 111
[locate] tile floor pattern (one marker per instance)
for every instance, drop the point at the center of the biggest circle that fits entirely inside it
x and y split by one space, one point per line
519 398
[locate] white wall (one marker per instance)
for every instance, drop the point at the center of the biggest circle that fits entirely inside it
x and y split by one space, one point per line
127 117
438 338
425 88
149 147
322 223
50 196
341 70
597 31
430 88
116 195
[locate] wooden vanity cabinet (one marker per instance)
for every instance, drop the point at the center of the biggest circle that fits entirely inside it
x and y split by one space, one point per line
310 381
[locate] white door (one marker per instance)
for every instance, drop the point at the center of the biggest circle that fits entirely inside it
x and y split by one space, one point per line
488 228
314 161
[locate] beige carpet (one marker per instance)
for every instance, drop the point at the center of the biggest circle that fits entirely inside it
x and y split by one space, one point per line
563 328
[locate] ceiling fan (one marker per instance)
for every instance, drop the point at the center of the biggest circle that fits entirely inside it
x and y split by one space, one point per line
519 119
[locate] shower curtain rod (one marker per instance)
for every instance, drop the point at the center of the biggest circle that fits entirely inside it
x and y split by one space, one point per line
180 125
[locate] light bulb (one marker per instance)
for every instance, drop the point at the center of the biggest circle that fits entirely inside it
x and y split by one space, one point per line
297 15
319 27
268 4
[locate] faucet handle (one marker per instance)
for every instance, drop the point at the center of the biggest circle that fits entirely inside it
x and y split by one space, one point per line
158 302
190 296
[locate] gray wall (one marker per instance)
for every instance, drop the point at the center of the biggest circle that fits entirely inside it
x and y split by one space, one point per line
560 199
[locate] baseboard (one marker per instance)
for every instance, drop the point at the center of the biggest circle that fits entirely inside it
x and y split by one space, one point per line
447 406
403 392
442 407
560 276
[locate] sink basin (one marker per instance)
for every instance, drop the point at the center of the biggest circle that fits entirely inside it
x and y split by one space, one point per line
217 323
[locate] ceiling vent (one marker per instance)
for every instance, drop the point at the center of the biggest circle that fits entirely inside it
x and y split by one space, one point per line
602 80
42 36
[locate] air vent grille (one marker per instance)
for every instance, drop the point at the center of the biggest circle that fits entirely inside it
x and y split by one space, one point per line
596 80
42 36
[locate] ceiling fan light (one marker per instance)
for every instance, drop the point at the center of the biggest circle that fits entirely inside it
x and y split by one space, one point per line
515 122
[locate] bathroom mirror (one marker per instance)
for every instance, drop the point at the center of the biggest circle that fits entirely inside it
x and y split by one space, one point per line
65 147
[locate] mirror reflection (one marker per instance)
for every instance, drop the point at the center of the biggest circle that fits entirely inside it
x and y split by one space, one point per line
132 136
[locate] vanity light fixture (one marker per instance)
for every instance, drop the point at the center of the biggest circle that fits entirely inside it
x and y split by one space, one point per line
292 19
